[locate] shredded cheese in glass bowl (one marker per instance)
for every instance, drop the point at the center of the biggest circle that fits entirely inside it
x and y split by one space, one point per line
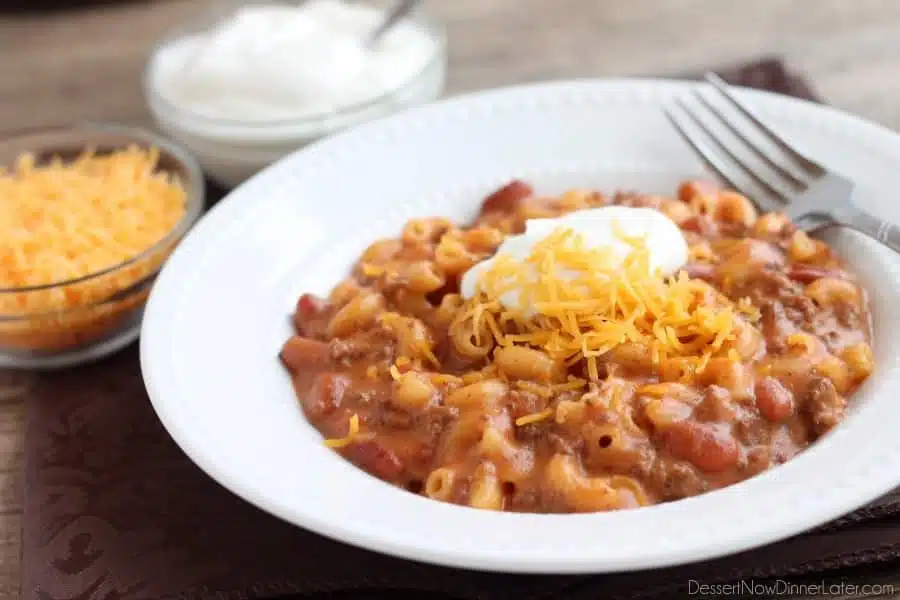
89 215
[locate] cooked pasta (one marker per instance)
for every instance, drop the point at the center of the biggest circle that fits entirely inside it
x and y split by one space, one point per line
616 388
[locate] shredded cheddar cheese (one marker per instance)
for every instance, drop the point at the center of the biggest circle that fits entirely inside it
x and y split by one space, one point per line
747 309
535 388
404 328
535 417
547 390
63 221
444 378
574 383
353 435
585 303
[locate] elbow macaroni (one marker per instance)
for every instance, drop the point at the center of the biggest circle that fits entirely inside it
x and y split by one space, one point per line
439 484
519 362
469 404
829 291
485 491
358 313
468 341
583 493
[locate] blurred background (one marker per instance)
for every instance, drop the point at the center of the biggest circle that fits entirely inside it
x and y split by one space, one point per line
65 60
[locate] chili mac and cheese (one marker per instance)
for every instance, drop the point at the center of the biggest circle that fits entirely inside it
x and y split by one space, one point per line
612 387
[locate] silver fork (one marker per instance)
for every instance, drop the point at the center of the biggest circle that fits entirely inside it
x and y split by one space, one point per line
812 196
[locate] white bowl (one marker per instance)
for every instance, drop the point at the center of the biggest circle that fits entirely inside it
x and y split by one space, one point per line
231 407
230 150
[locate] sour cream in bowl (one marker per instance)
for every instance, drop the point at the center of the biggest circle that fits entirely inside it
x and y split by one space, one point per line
246 86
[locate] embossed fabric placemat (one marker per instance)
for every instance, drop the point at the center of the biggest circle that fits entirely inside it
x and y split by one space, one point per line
115 511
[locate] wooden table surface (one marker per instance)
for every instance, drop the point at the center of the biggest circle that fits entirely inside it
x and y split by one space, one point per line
68 65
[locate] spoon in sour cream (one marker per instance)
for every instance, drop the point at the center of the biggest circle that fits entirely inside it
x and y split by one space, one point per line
388 22
403 8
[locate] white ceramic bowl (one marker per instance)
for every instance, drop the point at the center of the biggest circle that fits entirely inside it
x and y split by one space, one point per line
232 150
233 411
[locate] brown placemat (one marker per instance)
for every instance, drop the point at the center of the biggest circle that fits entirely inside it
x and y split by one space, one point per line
115 511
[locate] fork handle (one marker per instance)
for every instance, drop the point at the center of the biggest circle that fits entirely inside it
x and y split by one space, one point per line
875 227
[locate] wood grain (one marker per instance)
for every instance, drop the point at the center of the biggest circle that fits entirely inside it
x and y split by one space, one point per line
68 65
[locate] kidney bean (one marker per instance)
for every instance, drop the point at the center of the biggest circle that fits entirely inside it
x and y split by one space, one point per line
309 308
774 401
691 189
702 271
310 305
303 354
808 273
709 447
701 224
376 458
507 198
325 395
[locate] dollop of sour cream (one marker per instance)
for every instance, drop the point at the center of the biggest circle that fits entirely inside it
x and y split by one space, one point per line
275 62
601 228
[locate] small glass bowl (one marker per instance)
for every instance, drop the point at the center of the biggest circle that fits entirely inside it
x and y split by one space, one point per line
107 305
231 151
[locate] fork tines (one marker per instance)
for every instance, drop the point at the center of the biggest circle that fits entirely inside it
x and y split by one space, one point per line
744 154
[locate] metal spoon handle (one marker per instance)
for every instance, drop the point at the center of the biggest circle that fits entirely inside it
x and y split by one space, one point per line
403 8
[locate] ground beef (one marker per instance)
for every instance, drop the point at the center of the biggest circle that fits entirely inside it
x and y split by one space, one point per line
525 403
799 309
757 460
678 480
822 405
750 430
761 286
776 325
372 345
562 446
531 432
435 419
716 405
848 316
395 419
